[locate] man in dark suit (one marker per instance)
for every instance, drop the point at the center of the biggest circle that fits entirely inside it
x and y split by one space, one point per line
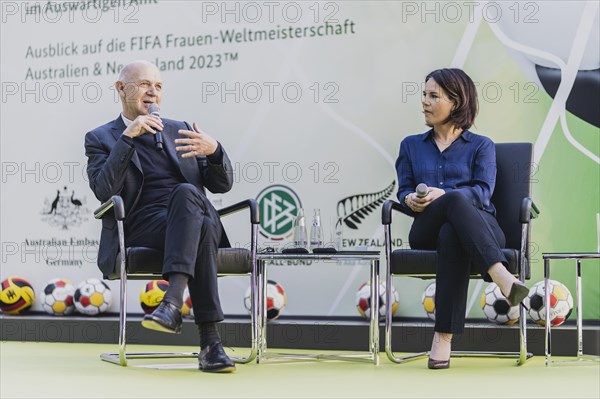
165 203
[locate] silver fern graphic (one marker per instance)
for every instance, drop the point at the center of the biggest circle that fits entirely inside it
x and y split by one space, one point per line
352 210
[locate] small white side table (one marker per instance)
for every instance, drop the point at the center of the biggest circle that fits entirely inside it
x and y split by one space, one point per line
578 257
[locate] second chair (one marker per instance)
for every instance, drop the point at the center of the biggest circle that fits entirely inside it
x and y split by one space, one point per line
515 209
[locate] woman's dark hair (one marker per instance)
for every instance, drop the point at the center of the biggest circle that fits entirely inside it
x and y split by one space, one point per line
460 89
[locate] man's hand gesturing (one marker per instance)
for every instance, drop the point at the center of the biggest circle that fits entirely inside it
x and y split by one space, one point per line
197 143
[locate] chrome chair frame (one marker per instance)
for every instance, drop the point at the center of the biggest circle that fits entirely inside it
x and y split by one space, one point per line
116 204
528 211
578 257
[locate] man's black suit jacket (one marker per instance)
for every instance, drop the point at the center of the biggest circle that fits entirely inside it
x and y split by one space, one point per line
114 168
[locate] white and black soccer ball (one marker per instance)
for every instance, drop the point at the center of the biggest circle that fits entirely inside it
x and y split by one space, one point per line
561 303
363 300
428 300
497 308
92 297
276 299
57 297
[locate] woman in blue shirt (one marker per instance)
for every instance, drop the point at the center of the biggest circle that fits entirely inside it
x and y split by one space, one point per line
456 217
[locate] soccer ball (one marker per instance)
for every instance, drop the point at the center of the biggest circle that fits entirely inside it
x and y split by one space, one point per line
497 308
92 297
152 295
561 303
16 296
363 300
428 300
187 309
276 299
57 297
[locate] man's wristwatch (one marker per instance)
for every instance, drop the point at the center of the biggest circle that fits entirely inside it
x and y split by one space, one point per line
406 199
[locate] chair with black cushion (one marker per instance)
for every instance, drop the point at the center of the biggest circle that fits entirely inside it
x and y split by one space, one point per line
515 209
146 263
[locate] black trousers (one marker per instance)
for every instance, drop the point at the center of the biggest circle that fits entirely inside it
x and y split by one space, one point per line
462 235
188 230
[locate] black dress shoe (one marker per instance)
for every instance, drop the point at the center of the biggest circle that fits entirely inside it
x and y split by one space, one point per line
213 359
438 364
166 318
518 292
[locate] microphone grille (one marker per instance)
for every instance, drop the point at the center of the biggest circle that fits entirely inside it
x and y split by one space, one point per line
153 109
422 190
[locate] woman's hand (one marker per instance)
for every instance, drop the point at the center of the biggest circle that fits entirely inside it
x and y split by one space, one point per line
420 204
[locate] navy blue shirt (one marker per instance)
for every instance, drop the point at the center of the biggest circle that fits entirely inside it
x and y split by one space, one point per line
468 165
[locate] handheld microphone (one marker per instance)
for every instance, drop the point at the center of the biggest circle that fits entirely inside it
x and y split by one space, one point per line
153 109
422 190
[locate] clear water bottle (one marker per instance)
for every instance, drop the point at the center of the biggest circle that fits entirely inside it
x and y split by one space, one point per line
316 231
300 235
339 237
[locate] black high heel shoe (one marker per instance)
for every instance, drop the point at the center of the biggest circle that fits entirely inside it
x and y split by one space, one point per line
438 364
518 292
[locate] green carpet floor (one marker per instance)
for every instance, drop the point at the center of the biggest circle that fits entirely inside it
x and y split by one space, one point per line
59 370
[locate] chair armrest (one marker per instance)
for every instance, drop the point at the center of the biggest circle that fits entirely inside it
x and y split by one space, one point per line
386 211
528 210
249 203
116 204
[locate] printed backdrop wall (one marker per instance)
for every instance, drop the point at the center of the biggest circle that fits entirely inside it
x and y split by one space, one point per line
311 101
